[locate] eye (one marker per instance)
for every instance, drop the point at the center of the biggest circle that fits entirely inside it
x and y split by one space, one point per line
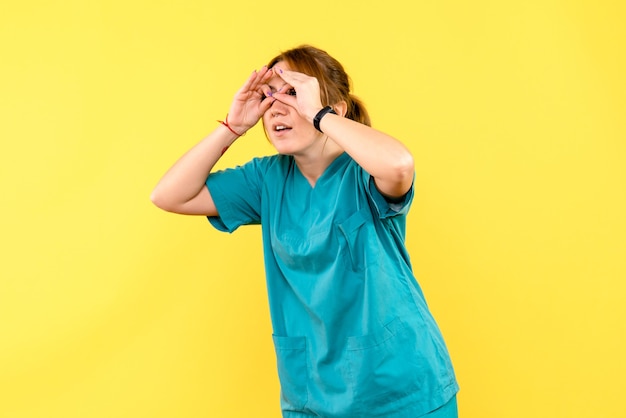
291 92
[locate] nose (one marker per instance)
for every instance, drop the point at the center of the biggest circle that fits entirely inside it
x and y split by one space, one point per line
278 108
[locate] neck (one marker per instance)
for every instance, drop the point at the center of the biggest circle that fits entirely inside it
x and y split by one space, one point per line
312 166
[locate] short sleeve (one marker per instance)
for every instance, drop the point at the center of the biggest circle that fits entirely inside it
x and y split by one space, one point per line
384 207
236 193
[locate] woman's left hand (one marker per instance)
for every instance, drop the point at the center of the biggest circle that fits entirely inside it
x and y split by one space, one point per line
307 99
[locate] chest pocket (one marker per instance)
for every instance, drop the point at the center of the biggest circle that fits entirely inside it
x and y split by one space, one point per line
310 251
357 234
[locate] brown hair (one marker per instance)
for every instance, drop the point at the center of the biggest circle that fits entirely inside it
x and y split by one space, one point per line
333 80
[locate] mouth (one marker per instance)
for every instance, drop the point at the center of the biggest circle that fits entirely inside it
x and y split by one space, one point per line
281 128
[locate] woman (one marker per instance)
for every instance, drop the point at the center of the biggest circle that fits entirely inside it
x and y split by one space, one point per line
352 331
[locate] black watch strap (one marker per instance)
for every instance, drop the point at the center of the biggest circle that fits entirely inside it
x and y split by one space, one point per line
320 115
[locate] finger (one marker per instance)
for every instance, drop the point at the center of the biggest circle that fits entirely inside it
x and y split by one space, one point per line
266 104
291 76
286 75
266 73
265 90
284 97
267 98
262 76
256 78
249 82
287 99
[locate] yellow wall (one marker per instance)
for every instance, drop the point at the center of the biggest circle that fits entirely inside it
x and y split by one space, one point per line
515 112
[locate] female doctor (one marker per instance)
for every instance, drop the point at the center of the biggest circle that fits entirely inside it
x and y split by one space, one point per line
352 331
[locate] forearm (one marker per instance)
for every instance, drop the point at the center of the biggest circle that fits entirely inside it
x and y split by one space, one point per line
381 155
186 178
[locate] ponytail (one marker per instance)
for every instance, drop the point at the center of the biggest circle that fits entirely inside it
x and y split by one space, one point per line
357 111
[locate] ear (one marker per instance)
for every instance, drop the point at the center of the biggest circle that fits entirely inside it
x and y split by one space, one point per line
341 108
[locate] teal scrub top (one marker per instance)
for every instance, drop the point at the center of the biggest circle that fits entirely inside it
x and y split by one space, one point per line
351 328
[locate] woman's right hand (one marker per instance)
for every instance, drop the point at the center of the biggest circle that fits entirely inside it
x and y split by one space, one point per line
250 102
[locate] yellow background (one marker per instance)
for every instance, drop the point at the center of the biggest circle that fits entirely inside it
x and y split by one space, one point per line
516 115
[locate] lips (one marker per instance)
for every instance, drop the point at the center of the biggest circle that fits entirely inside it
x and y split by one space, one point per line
281 127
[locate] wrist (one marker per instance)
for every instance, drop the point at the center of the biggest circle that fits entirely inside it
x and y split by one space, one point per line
320 115
237 131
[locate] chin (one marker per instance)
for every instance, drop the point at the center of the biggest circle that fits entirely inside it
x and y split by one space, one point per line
284 150
282 147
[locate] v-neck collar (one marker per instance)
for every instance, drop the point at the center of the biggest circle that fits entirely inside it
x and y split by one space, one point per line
329 171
